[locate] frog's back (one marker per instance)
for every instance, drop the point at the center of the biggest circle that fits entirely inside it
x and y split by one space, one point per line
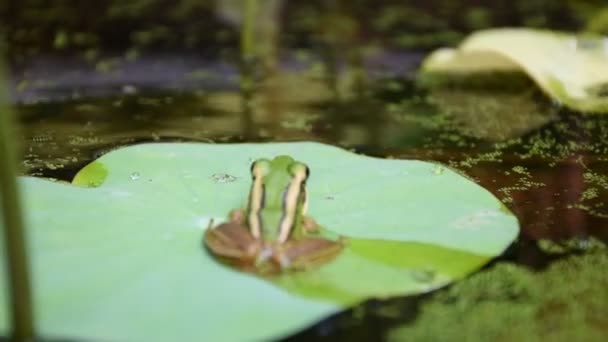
270 224
276 184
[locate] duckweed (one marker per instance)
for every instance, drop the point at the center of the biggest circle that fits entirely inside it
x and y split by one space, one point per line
564 303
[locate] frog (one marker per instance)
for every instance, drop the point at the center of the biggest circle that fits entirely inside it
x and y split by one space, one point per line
273 233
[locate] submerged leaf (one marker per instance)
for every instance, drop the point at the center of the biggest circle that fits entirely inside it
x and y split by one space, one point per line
120 256
571 70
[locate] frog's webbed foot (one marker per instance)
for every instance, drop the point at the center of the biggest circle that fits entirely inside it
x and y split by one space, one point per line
310 225
307 252
264 255
282 259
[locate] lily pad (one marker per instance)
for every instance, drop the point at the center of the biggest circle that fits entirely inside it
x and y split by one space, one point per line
570 69
118 254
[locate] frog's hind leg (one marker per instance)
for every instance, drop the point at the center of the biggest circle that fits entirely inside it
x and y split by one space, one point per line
232 240
307 252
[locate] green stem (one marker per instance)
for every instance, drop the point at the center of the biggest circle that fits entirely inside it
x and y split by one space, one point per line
17 267
247 64
247 47
247 35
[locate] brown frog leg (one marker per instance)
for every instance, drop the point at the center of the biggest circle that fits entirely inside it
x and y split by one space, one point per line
232 240
306 252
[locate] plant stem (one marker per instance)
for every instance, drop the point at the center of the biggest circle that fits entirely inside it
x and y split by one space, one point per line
17 265
248 29
247 48
247 64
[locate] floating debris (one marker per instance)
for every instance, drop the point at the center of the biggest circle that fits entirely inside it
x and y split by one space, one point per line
438 170
223 178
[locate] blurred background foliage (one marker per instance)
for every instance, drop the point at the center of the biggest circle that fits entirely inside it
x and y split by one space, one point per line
32 27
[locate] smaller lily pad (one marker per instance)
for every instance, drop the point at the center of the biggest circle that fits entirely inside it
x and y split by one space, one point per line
570 69
380 269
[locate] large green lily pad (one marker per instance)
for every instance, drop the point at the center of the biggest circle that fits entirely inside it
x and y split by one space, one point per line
570 69
118 254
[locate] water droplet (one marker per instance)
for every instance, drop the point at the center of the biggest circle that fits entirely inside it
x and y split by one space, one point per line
223 178
438 170
134 176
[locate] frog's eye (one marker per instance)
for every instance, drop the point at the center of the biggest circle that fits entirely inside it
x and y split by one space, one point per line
260 168
299 169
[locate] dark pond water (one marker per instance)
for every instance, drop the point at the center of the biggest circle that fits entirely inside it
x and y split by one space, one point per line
546 163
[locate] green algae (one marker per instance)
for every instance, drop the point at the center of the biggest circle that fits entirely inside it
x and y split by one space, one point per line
514 130
490 115
591 198
567 302
573 245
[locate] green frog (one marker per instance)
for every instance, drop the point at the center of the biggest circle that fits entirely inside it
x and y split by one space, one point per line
273 234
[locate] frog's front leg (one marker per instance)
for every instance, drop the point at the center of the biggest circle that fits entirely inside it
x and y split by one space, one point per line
237 216
310 225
